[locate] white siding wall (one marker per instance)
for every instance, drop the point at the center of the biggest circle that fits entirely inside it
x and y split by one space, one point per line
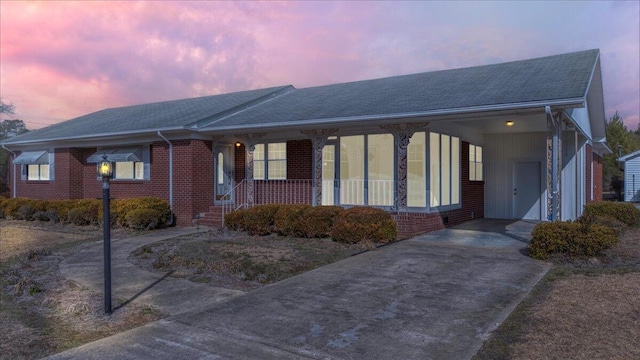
501 152
631 186
568 184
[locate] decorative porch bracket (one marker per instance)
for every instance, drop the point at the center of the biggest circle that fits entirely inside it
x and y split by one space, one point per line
554 164
250 141
319 140
402 134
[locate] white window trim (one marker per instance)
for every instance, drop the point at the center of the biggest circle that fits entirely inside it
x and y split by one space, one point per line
475 161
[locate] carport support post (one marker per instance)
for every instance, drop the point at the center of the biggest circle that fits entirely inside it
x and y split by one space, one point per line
554 123
250 141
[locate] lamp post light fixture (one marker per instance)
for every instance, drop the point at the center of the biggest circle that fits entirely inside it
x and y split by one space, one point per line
105 169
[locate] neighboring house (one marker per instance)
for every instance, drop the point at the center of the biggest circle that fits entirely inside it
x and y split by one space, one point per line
630 164
518 140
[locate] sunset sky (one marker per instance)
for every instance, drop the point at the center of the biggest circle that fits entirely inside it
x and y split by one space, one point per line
60 60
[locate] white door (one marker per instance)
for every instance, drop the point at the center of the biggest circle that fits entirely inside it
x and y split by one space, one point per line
223 174
526 190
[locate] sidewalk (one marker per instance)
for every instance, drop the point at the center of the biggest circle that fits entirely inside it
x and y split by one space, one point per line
133 284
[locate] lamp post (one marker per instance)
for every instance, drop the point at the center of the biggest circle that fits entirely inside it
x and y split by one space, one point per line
105 169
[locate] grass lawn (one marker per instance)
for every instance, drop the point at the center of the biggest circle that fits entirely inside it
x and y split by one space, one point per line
582 309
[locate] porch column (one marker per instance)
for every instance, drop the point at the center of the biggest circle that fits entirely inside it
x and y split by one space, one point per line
319 140
554 165
402 134
250 141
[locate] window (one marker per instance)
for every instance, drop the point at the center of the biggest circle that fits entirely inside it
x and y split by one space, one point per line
270 164
130 163
36 165
475 163
38 172
367 170
129 170
417 171
444 159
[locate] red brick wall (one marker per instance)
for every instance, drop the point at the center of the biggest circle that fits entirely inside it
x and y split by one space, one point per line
240 163
598 177
300 159
67 182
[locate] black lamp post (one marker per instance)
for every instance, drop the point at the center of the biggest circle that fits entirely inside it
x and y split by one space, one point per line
105 169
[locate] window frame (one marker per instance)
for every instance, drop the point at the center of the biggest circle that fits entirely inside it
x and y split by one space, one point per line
473 163
266 161
24 168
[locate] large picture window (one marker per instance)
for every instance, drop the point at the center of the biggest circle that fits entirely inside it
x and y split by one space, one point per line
475 163
443 165
270 161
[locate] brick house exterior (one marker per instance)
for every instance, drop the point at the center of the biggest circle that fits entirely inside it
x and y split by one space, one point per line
395 143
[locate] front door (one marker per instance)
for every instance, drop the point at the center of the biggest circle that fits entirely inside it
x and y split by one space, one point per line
526 190
223 173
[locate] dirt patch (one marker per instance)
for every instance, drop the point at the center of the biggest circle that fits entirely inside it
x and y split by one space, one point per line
583 309
239 261
43 313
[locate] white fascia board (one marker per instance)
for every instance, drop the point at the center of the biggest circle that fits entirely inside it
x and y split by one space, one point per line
577 102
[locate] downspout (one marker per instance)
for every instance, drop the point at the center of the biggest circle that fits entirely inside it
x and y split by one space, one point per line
15 191
554 164
170 174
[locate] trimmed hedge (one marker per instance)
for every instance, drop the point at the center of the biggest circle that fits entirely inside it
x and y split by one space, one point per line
571 238
235 220
626 213
318 221
259 220
364 224
287 219
134 213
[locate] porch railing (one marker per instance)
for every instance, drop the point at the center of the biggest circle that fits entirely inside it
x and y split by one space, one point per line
268 192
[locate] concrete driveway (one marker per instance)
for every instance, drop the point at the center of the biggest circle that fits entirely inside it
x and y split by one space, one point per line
436 296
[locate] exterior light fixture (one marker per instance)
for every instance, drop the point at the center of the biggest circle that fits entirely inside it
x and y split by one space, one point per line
105 170
509 123
238 144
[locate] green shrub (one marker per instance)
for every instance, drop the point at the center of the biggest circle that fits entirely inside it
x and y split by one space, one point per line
11 206
143 219
49 215
570 238
614 224
626 213
235 220
2 215
259 220
83 215
122 207
364 224
25 212
286 220
317 221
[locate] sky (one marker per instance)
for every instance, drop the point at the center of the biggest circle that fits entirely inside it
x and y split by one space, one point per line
60 60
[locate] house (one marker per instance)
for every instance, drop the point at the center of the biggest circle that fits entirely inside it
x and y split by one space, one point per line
630 164
517 140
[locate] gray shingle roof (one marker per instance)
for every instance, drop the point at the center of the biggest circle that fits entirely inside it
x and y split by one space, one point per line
552 78
543 79
155 116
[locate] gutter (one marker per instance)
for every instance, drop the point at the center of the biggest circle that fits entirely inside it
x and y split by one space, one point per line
15 191
170 174
95 136
577 102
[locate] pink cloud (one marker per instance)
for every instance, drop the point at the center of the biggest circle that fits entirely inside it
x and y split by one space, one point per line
64 59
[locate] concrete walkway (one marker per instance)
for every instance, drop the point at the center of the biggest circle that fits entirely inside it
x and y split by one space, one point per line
437 296
131 284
